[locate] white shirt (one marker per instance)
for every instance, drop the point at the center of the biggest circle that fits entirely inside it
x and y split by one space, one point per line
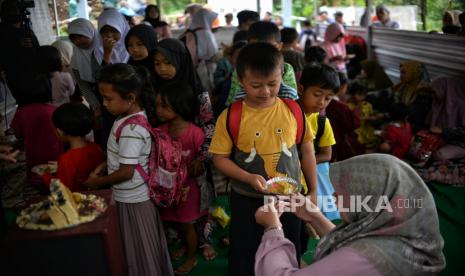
133 148
62 87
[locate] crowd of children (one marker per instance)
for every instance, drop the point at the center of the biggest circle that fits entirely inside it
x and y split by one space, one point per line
277 110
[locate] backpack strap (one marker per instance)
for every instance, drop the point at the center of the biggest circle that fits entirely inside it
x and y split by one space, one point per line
142 121
233 120
300 118
319 133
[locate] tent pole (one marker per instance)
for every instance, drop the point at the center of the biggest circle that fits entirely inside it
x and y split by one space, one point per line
57 26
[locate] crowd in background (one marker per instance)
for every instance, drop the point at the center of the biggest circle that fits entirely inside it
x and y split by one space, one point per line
75 96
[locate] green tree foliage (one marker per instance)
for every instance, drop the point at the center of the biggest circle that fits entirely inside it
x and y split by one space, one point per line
176 6
434 9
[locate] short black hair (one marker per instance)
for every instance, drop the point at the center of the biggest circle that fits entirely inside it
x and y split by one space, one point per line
181 98
10 11
34 87
338 14
320 75
462 19
322 12
48 59
315 54
246 15
74 119
261 58
237 46
240 36
264 31
357 87
398 111
342 78
307 23
289 35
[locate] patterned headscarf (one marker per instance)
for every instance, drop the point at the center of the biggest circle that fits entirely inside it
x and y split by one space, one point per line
404 241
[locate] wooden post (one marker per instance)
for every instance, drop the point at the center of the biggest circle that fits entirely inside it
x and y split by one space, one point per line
369 6
424 11
57 24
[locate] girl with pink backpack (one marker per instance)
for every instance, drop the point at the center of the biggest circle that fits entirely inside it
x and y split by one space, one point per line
177 106
127 93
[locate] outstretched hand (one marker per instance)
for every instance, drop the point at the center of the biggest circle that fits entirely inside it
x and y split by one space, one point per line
8 154
257 182
268 215
302 206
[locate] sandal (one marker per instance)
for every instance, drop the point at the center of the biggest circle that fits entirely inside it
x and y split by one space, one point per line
179 253
208 252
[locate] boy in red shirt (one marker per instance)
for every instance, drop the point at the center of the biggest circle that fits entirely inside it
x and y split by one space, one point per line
73 121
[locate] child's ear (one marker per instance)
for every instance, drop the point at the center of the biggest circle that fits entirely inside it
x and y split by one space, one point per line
240 80
132 97
60 133
300 89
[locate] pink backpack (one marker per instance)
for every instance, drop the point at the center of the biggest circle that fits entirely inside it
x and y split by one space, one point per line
167 173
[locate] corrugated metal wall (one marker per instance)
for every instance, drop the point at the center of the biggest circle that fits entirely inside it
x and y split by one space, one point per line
443 55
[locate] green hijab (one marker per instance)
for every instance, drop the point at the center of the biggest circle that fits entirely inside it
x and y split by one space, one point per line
376 79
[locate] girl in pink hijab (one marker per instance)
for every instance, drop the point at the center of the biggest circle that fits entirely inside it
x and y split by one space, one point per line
336 47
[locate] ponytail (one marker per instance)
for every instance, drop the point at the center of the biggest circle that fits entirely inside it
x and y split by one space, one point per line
147 94
127 79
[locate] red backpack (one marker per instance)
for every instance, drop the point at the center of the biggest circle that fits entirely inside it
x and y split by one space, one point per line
167 173
233 120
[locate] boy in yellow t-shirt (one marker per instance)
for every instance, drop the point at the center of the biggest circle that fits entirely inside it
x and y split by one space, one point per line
317 86
264 147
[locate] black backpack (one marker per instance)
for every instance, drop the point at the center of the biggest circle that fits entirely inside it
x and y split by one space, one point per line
321 129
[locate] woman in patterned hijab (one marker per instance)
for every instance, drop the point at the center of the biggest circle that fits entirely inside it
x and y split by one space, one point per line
400 237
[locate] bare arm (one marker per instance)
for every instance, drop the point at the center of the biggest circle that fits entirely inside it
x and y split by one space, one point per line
324 155
308 164
310 213
225 165
125 172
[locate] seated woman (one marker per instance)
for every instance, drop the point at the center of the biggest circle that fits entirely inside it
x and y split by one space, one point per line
377 82
391 240
447 116
414 92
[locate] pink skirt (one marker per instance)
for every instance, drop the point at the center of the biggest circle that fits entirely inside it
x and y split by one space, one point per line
188 208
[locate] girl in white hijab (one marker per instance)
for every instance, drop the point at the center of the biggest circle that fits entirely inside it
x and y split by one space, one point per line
206 42
113 28
85 39
202 45
66 51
